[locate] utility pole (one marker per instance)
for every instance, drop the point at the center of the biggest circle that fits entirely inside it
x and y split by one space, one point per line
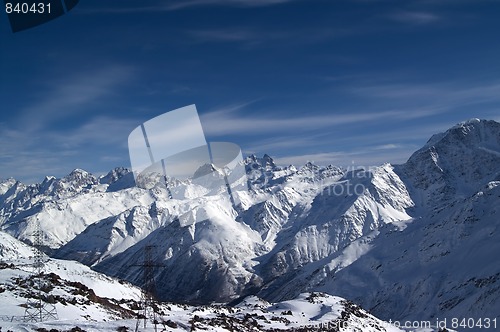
148 298
38 310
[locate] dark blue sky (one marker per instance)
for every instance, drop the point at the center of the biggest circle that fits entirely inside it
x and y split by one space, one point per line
335 82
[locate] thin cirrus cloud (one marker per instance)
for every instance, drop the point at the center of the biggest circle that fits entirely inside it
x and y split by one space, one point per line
22 158
71 95
414 17
98 131
297 36
184 4
233 35
397 90
365 158
393 146
176 5
449 94
227 122
387 146
282 143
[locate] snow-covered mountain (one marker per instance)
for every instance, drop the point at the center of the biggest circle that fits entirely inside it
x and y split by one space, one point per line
65 207
444 263
411 241
441 262
86 300
77 292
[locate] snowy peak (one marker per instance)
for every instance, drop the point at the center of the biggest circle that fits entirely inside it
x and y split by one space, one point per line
76 182
473 133
205 169
114 175
118 179
79 177
266 162
5 185
456 162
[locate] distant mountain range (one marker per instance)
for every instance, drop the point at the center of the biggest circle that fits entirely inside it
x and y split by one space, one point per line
417 241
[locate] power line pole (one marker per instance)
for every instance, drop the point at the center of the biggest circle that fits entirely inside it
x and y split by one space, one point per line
148 298
37 309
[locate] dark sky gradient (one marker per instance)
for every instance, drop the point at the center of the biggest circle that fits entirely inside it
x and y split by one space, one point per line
334 82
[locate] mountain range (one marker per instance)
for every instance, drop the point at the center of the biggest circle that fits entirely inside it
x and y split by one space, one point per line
416 241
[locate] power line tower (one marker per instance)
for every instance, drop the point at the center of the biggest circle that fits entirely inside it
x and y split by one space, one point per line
37 308
148 299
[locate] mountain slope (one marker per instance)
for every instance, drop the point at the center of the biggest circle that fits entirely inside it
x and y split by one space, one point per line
443 263
77 292
359 203
86 299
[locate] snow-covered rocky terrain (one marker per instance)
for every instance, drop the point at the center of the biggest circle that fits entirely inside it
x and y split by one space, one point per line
407 242
86 300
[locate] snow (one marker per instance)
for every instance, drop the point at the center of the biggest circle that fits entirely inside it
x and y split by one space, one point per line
79 309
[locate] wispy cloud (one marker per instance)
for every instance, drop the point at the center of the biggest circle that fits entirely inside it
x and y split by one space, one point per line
175 5
98 131
22 155
226 35
388 146
255 36
436 95
282 143
226 122
69 95
358 158
184 4
362 148
414 17
398 90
